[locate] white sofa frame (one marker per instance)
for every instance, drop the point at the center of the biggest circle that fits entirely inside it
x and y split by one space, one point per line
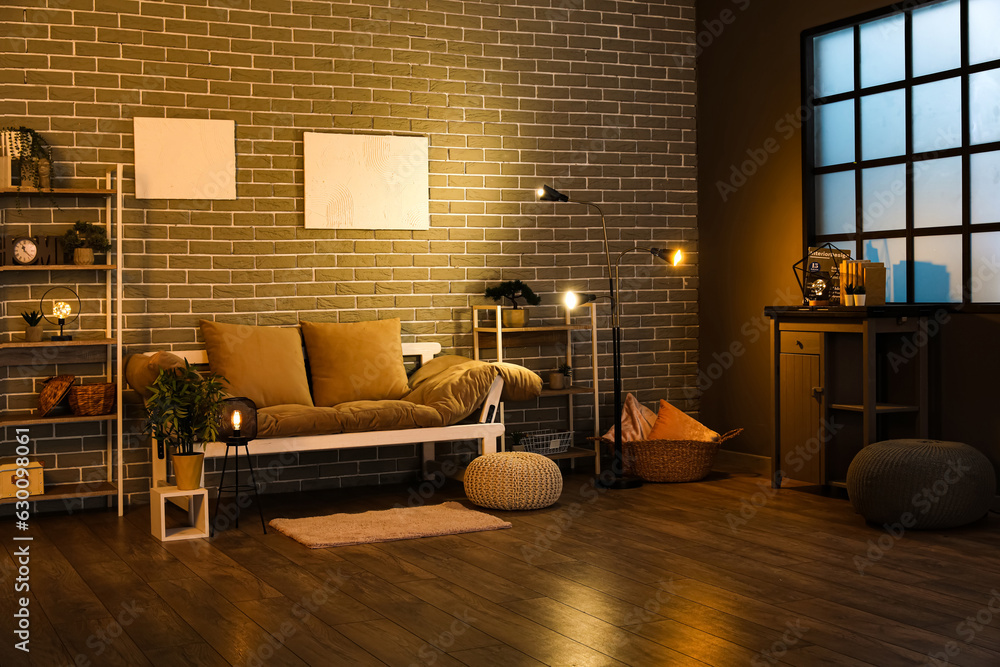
486 431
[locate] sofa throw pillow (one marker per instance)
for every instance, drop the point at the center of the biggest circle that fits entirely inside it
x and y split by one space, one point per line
637 421
264 364
141 370
355 361
672 424
433 367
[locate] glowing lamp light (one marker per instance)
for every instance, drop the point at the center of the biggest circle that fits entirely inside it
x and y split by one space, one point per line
573 299
61 310
678 256
237 420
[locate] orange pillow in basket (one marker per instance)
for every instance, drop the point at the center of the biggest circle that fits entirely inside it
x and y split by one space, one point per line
672 424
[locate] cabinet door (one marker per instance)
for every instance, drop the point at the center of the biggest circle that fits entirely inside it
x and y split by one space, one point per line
801 426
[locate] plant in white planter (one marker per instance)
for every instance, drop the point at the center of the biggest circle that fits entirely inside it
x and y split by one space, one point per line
184 412
512 290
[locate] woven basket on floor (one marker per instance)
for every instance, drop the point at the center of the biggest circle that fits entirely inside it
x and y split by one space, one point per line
671 460
513 481
92 399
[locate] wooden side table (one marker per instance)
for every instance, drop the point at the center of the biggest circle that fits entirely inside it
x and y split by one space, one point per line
197 513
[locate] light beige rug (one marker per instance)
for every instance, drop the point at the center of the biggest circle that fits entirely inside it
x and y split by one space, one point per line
401 523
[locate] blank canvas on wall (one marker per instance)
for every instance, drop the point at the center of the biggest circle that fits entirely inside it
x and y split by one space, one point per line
359 181
185 158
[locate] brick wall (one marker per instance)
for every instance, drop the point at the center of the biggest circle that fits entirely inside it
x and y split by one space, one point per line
596 97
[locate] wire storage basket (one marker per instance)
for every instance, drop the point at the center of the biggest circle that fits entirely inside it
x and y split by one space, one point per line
547 441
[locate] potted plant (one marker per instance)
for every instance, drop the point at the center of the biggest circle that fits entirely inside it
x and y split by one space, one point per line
859 295
847 296
512 290
561 378
84 239
184 410
32 332
32 154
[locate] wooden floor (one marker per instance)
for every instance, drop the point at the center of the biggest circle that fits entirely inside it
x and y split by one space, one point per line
721 572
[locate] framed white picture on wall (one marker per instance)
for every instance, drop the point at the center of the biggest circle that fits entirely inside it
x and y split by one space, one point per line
184 158
363 181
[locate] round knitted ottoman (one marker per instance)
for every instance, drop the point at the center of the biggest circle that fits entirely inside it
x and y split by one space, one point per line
513 481
921 483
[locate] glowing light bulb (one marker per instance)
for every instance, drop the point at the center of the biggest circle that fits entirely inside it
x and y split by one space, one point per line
571 300
237 420
678 256
61 309
540 191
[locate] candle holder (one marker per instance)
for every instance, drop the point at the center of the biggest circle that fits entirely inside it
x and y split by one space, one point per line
57 307
237 428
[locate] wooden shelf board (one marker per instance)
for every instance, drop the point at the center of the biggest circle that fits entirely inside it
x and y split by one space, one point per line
57 192
572 391
60 491
554 327
880 408
31 420
86 342
59 267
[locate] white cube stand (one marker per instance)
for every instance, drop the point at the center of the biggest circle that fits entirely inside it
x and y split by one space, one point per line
197 513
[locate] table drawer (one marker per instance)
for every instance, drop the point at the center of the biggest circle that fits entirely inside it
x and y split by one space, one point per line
801 342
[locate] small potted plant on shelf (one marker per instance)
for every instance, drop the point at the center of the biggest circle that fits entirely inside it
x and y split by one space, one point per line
859 295
85 239
184 412
561 378
32 332
512 290
31 154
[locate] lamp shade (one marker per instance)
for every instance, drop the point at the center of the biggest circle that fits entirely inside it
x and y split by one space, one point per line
238 419
545 193
574 299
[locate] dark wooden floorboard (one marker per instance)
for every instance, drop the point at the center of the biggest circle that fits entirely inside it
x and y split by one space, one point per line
722 572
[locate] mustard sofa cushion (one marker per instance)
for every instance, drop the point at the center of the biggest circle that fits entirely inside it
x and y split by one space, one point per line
355 361
456 391
265 364
141 370
280 421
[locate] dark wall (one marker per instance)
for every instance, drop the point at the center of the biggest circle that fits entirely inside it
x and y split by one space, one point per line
750 206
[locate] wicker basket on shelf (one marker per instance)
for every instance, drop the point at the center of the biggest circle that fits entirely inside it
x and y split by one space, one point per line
670 460
88 400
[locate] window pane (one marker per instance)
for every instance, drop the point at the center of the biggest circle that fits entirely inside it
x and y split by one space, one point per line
937 192
984 180
984 106
937 268
937 115
936 38
883 196
984 24
985 274
835 133
834 55
883 125
835 210
882 55
892 253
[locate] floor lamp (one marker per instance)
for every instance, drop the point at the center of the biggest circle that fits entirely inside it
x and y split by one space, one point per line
619 479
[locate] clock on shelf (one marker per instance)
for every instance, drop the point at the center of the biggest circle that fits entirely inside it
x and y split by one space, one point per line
21 250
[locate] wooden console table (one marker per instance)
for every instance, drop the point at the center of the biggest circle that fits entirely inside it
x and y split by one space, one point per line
841 379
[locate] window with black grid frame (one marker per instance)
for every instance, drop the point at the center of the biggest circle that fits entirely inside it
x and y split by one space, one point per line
901 160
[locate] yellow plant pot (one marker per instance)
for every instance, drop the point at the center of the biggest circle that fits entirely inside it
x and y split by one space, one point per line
514 318
187 470
33 334
557 381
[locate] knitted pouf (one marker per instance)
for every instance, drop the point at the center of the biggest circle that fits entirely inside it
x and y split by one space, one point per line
513 481
921 483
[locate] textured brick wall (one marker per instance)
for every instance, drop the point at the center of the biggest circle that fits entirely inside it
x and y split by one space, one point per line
594 96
